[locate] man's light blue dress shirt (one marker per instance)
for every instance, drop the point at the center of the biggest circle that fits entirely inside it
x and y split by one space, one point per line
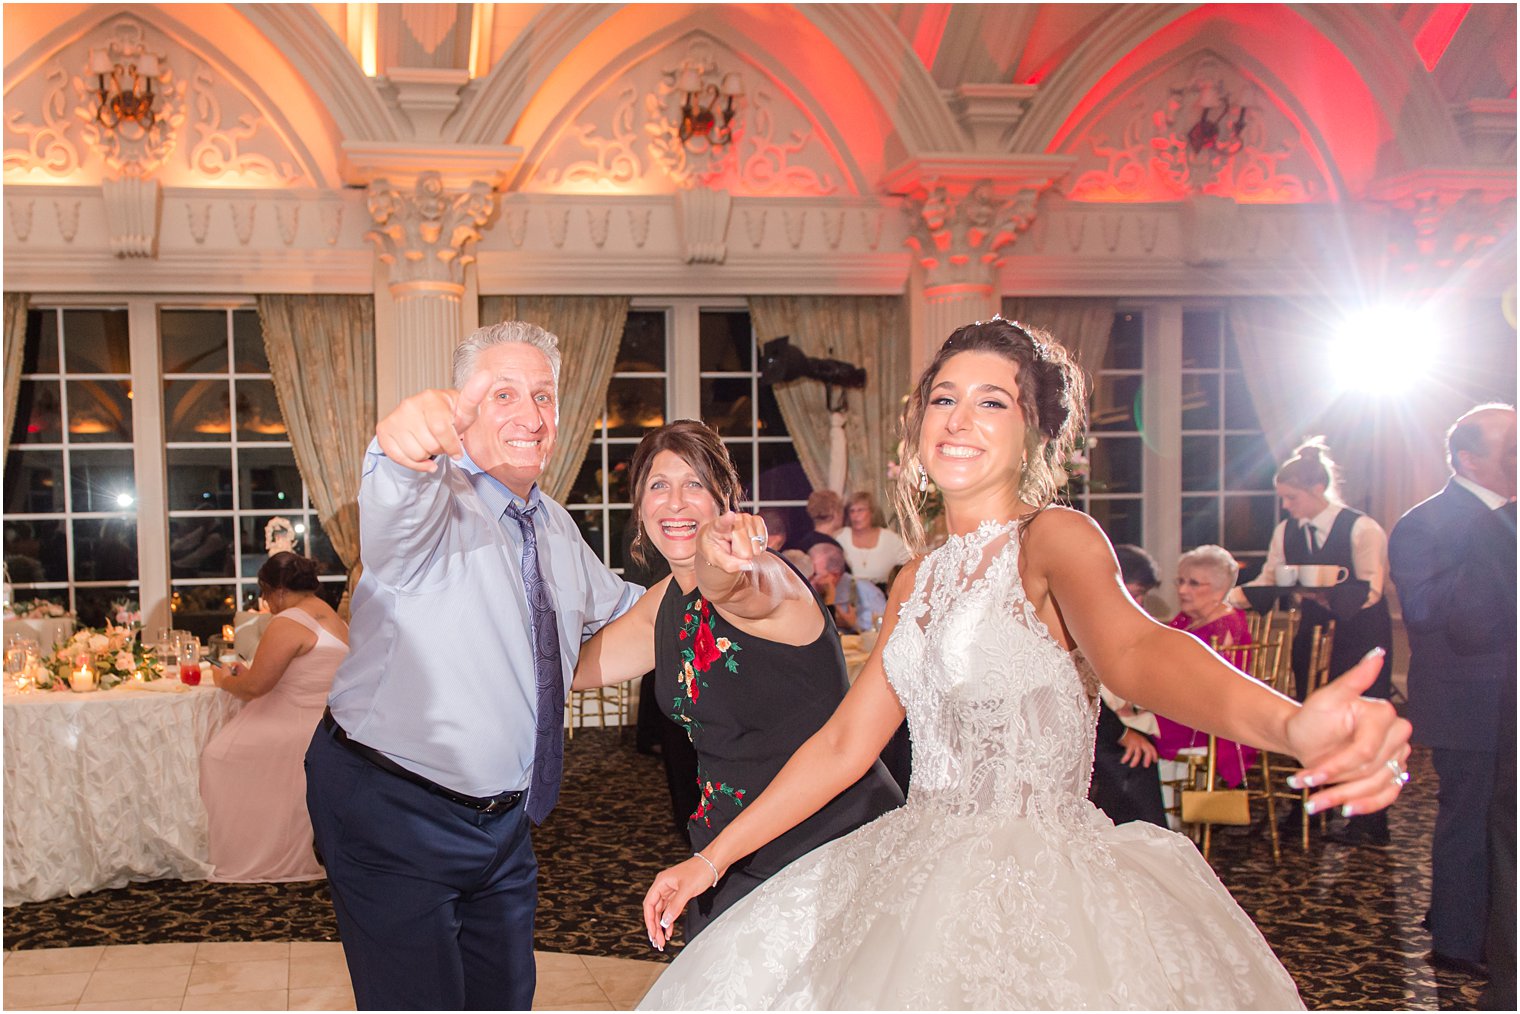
439 674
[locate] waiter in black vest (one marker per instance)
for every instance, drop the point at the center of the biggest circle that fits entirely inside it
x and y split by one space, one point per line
1322 530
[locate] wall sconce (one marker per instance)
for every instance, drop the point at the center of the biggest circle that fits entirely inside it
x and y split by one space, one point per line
1215 134
132 103
700 115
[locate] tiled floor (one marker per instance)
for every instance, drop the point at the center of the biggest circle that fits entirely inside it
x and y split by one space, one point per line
267 976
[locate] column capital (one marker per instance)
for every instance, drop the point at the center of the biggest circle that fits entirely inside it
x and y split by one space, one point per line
1444 218
958 232
424 233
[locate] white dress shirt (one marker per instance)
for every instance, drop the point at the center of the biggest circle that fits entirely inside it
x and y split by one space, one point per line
876 563
1493 501
1369 552
440 674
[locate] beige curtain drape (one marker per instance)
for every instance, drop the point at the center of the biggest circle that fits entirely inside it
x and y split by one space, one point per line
322 360
589 330
868 331
1082 325
1281 347
15 348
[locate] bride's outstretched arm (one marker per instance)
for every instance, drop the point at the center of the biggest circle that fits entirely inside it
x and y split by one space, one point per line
832 760
1345 741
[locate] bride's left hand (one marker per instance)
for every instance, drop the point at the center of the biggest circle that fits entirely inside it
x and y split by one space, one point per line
668 895
1355 746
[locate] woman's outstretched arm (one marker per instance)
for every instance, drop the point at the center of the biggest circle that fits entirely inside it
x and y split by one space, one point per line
1345 741
623 648
832 760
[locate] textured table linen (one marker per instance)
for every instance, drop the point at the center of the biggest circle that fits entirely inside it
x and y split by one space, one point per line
103 788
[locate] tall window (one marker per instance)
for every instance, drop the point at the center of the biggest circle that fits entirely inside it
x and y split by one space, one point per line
70 488
1227 467
1177 454
683 360
78 468
230 464
1113 494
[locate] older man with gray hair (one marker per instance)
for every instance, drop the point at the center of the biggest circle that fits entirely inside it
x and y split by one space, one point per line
443 736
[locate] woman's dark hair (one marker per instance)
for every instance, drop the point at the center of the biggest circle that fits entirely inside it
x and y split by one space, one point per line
289 572
1052 395
1310 466
1136 566
697 445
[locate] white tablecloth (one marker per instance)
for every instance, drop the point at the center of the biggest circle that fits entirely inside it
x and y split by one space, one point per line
46 632
103 788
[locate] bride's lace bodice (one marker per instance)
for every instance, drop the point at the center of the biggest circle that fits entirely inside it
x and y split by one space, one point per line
1001 716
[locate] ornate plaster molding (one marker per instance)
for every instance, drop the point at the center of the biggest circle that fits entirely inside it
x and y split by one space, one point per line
1202 128
990 113
403 164
959 231
133 209
1445 218
426 235
702 216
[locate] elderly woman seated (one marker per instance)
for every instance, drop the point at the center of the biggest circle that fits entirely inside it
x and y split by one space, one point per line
1204 577
252 777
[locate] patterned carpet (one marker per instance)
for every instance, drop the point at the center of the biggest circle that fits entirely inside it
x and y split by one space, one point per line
1345 922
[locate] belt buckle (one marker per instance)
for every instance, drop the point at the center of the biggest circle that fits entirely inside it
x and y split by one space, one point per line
492 806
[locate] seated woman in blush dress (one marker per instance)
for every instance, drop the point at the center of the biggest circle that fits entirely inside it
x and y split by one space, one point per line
1204 577
252 779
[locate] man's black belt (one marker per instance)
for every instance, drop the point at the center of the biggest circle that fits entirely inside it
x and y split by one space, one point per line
485 804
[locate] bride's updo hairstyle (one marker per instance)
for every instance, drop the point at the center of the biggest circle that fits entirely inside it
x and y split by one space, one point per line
1310 466
696 444
1051 395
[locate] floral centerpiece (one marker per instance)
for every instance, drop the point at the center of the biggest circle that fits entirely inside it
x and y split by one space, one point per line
126 613
115 654
39 609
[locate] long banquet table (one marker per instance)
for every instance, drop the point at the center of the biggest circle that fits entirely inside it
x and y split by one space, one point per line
103 788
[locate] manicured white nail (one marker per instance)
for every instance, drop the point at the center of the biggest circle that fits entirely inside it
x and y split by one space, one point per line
1294 782
665 923
1375 653
1310 807
1347 810
1313 780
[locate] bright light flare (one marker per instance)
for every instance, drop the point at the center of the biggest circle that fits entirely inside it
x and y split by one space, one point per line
1379 350
124 499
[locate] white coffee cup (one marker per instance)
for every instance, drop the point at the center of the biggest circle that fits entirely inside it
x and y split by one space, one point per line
1321 575
1287 576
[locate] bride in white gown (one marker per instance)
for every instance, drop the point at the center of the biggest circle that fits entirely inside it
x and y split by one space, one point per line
998 885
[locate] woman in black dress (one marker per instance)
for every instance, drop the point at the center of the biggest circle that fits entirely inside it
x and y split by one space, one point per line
749 664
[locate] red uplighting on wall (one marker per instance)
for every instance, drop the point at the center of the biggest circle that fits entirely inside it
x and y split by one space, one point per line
1436 33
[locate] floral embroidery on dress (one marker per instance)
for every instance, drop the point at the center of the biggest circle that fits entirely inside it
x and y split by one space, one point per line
711 790
698 654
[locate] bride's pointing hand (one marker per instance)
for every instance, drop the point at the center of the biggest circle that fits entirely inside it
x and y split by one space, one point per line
1354 746
668 895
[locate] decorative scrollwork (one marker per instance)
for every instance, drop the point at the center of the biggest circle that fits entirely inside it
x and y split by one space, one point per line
49 149
217 152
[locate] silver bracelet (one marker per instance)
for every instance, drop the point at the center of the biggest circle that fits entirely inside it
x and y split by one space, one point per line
710 866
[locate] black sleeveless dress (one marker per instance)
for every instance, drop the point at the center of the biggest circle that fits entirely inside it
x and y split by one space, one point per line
748 703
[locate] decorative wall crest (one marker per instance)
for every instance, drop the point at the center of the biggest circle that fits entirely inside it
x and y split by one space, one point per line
425 234
127 147
1441 228
1203 128
628 137
203 127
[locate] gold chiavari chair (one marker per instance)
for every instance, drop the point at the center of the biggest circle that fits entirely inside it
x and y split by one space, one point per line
1264 660
1321 644
607 703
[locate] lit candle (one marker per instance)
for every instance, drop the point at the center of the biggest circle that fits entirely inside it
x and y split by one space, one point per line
228 634
83 679
139 677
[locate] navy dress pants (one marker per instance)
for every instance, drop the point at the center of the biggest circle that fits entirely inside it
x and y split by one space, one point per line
435 900
1459 853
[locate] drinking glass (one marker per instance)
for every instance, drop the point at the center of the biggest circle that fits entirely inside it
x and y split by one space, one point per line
190 660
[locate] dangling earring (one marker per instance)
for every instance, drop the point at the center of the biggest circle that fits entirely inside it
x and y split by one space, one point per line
923 478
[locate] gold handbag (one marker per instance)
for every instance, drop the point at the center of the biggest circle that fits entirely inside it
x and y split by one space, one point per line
1225 806
1221 806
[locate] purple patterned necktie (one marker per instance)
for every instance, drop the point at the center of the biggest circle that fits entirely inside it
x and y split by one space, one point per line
549 731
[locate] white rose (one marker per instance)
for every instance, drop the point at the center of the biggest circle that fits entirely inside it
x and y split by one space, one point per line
99 642
124 661
81 636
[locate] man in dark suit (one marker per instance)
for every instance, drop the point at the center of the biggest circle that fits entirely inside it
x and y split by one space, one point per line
1455 692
